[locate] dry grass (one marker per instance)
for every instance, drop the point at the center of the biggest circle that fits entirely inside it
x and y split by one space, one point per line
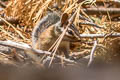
29 12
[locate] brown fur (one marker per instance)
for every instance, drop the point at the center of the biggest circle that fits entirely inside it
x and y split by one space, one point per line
48 37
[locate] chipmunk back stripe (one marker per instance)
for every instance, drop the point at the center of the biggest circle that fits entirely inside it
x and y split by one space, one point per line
76 32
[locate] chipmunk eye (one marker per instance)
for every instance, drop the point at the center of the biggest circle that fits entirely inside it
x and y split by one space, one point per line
70 32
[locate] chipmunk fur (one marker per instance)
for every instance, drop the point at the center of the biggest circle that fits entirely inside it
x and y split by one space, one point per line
47 31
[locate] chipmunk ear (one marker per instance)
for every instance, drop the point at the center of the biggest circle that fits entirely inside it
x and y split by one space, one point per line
64 18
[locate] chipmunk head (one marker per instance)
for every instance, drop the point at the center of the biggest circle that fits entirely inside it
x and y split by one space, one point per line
71 34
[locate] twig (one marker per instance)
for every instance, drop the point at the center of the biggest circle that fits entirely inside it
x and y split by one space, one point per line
106 1
10 20
87 21
90 23
22 46
107 35
98 35
61 36
84 18
92 53
102 10
115 2
27 49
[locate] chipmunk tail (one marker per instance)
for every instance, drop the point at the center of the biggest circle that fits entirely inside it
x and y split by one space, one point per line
42 25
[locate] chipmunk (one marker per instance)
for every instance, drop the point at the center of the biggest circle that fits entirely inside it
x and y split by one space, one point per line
49 29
